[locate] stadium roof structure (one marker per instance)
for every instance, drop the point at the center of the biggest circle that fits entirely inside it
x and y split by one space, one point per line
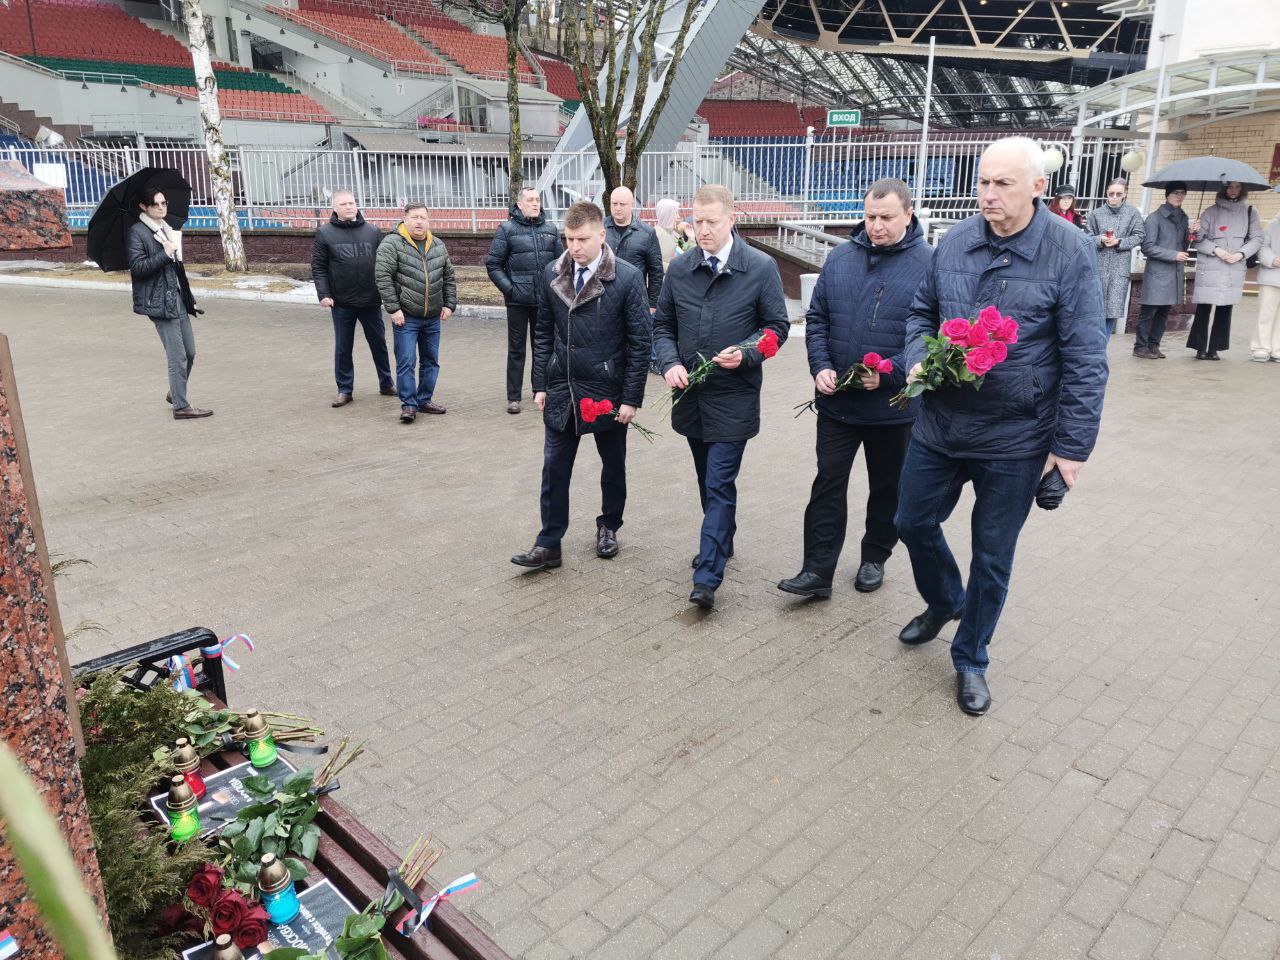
998 62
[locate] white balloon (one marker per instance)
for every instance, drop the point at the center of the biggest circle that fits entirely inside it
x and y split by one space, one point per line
1133 161
1053 160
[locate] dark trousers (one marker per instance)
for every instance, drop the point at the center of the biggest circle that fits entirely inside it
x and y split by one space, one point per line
1003 493
558 453
1217 338
825 519
344 336
717 466
1151 321
520 320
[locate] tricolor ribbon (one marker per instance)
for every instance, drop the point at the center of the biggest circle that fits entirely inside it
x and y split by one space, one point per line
8 945
218 650
184 678
414 921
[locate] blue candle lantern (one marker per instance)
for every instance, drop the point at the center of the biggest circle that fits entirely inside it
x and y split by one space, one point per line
278 893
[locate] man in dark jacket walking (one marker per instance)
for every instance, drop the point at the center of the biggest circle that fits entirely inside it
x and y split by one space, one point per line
342 268
633 241
716 298
1037 411
521 248
416 281
591 342
860 306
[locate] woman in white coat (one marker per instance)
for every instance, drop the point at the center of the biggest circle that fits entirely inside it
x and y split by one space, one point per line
1266 339
1230 232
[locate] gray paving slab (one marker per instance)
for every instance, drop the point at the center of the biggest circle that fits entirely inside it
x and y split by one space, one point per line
777 779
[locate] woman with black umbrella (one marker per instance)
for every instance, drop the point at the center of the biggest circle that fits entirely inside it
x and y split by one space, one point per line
155 266
1230 233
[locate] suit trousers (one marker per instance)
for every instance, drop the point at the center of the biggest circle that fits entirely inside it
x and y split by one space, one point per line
520 321
717 465
560 449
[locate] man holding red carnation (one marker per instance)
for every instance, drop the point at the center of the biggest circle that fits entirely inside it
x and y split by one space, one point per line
722 302
1041 353
858 317
591 344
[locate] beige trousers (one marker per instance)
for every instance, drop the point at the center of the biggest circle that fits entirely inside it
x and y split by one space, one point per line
1266 339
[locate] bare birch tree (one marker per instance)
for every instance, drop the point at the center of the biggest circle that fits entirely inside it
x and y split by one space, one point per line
211 122
598 39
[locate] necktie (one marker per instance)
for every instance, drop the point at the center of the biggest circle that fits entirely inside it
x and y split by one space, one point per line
582 278
714 264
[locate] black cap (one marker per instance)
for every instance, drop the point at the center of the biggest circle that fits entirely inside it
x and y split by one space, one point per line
1066 190
1174 186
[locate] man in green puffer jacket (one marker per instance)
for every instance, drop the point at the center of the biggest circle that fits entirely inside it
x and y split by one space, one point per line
415 279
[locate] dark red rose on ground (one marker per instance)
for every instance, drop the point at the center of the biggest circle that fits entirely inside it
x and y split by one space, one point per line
229 912
175 918
205 885
253 928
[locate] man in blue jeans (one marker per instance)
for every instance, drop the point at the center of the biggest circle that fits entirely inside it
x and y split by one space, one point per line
342 268
416 281
1037 411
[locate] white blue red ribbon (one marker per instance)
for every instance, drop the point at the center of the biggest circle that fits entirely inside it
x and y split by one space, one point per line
218 650
414 921
184 678
8 945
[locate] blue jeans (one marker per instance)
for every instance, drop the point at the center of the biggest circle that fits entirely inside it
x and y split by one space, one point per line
1004 491
717 465
417 343
344 338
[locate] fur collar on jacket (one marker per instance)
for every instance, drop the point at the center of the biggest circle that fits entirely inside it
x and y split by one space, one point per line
594 287
160 228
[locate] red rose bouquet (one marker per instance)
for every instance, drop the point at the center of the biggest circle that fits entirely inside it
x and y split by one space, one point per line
592 410
766 343
964 351
852 380
212 909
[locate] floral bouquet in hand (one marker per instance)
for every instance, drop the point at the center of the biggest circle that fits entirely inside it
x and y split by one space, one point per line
964 351
852 380
592 410
766 343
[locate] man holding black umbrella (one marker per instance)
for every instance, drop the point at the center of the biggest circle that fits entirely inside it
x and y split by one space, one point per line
159 292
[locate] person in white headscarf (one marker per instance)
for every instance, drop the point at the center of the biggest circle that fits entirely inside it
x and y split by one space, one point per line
665 212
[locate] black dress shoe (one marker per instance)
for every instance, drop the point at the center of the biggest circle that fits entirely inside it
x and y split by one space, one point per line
703 596
806 584
539 558
387 391
408 414
1201 355
697 556
870 577
1213 355
924 628
972 693
606 543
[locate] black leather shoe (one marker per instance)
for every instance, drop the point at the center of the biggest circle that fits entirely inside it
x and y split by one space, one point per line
1201 355
924 628
539 558
408 414
694 562
972 693
1213 355
703 596
806 584
606 543
870 577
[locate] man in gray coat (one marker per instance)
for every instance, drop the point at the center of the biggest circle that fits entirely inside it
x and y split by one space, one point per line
1165 236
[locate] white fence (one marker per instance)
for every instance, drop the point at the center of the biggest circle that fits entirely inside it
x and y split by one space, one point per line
289 188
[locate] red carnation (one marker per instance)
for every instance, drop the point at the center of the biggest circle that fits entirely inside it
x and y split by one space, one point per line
1110 234
228 912
587 407
253 928
872 360
205 885
604 408
979 361
767 344
978 336
1223 228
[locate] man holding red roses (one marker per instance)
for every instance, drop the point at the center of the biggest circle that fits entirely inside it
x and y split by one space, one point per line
1037 410
717 302
858 312
591 342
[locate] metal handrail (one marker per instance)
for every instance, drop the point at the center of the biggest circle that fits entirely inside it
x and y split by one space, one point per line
399 67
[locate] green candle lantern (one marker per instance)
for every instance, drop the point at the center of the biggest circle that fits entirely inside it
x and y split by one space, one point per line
257 734
184 817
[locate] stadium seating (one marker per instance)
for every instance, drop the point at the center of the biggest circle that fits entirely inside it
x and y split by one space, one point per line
368 30
751 118
229 77
85 30
479 55
560 77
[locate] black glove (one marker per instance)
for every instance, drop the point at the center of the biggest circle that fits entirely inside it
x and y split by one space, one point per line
1051 490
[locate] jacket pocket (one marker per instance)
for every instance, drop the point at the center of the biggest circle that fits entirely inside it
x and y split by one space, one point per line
1021 393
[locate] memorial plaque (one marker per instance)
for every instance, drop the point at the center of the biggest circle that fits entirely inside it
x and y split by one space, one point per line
317 925
225 794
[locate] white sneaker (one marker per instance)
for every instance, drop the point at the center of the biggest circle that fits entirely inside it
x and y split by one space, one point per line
1257 359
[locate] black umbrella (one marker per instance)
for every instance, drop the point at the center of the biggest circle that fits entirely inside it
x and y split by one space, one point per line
107 240
1209 173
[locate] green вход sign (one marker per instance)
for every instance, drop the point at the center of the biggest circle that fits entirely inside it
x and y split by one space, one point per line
844 118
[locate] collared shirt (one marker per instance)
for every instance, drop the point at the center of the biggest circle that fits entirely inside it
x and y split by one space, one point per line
721 255
591 269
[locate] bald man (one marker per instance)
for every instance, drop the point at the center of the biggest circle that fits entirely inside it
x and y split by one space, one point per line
634 242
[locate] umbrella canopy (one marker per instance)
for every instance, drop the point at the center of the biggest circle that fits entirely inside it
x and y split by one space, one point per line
107 240
1209 173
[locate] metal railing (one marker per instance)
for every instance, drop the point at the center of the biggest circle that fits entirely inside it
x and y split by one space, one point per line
400 68
287 187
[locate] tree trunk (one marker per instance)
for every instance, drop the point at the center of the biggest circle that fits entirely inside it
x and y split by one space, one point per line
211 122
515 157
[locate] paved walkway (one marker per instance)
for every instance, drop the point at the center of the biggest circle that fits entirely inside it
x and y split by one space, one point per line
777 780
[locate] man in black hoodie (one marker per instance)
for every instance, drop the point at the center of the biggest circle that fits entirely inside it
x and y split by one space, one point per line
342 268
521 248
